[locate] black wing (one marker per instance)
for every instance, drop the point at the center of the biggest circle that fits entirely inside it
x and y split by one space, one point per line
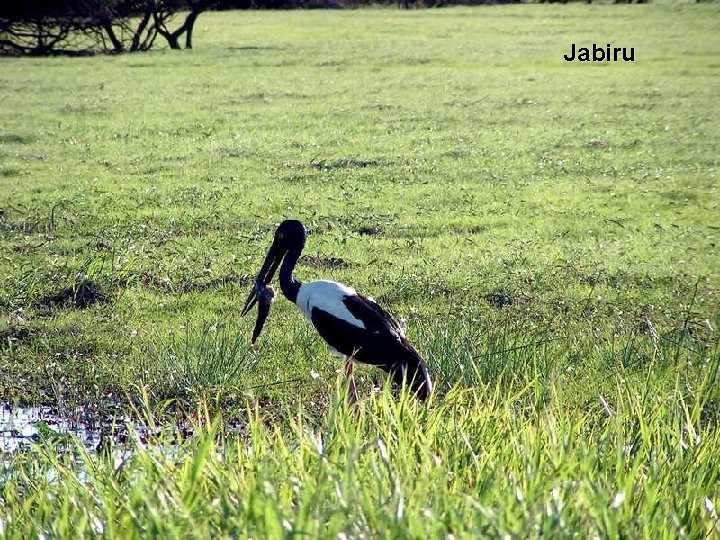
381 343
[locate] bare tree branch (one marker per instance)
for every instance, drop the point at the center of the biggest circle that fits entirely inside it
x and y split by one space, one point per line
73 27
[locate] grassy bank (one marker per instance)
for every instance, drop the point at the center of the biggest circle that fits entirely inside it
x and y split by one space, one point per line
482 462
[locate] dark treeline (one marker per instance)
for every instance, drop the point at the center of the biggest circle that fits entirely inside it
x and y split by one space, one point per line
82 27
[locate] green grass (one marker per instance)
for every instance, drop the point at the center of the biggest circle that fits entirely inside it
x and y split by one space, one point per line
480 462
547 232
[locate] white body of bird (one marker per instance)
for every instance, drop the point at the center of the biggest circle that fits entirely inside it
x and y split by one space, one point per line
328 296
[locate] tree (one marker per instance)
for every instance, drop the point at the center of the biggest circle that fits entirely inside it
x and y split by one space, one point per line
43 27
74 27
167 9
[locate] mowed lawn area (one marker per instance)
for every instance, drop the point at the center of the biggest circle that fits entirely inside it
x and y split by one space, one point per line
546 230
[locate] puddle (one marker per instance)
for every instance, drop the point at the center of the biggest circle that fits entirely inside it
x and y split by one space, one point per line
23 426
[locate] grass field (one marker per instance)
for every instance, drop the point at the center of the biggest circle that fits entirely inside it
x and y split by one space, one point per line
547 231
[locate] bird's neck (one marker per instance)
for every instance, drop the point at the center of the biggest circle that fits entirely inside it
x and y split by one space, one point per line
288 284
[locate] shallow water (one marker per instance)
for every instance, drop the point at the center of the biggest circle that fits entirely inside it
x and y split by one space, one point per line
22 426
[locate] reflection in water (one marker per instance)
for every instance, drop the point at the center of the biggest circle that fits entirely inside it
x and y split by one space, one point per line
22 426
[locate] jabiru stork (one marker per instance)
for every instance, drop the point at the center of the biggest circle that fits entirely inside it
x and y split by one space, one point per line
353 326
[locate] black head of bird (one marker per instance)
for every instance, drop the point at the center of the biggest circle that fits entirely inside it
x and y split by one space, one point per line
290 234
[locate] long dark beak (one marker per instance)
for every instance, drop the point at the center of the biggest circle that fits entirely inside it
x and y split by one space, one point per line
249 303
262 294
264 302
265 275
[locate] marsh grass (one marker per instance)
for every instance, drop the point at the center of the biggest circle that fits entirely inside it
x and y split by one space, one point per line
470 350
199 360
474 462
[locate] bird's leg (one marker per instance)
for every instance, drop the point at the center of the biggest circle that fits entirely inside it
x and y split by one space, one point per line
352 391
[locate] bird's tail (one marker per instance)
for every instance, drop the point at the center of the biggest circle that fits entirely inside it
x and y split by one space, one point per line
411 370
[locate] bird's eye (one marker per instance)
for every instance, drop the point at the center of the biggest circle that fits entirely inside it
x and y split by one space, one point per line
280 236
